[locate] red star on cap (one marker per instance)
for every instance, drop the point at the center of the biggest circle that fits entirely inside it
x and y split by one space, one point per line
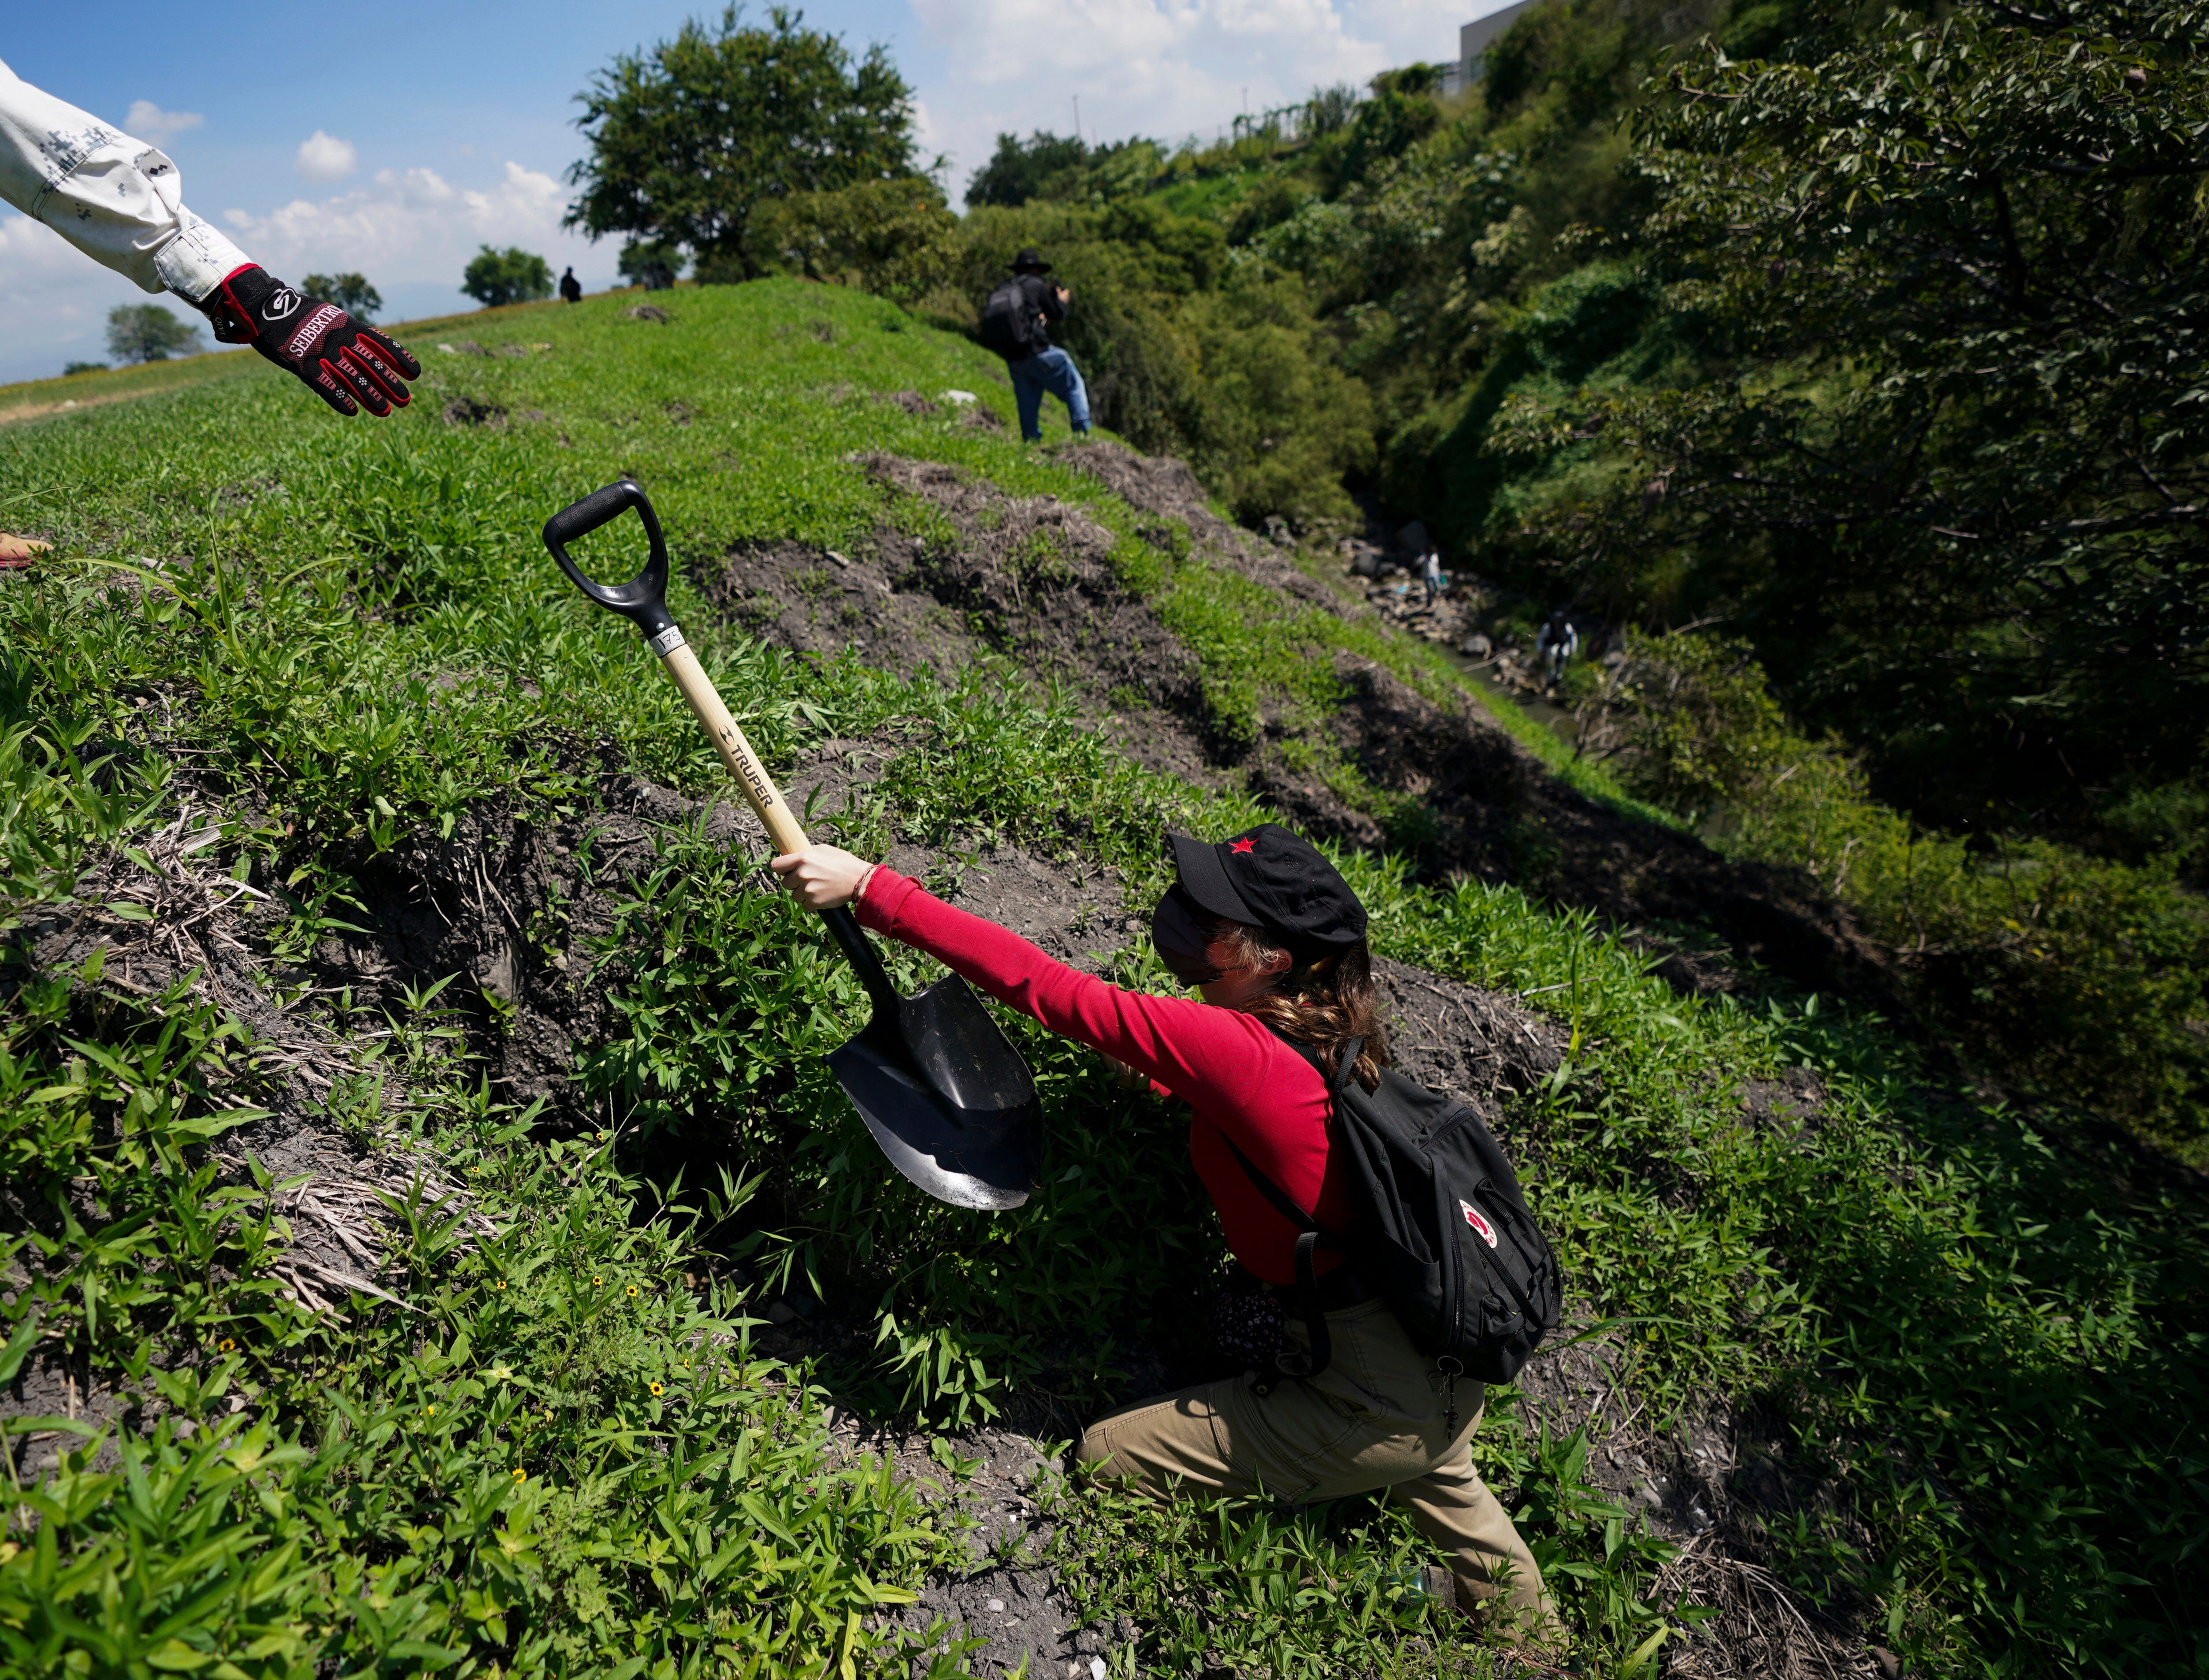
1241 846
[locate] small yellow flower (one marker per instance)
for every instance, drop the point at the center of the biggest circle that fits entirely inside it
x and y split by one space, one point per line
502 1283
429 1411
602 1137
520 1475
595 1282
632 1292
657 1389
228 1345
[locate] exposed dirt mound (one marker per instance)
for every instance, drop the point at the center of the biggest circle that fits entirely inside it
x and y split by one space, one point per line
1030 577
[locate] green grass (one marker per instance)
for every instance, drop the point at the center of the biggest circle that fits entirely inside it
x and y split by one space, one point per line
348 632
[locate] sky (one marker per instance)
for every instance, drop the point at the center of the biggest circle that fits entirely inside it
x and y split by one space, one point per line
394 140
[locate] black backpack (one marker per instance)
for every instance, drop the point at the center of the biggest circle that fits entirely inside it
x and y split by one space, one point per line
1008 319
1444 1237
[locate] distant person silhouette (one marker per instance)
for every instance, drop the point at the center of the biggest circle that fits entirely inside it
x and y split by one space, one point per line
570 287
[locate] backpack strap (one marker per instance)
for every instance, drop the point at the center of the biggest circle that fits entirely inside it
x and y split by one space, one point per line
1311 1233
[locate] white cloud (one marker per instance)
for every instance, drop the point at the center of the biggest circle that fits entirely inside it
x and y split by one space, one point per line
323 159
1166 68
147 121
412 225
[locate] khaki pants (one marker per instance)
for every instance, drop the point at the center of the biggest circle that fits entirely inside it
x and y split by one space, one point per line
1373 1418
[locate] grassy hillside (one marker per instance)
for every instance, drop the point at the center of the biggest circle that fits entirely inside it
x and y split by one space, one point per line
411 1099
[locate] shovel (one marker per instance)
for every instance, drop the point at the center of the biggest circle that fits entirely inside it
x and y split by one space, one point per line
944 1092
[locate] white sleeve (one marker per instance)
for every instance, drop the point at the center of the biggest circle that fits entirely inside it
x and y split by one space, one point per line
118 200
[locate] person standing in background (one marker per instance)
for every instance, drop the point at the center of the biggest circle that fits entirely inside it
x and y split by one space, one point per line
571 289
1016 324
120 202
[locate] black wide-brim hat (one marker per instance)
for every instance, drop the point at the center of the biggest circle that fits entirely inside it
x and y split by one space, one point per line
1273 879
1030 261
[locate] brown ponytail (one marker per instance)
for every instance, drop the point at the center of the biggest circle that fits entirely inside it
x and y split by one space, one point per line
1324 1004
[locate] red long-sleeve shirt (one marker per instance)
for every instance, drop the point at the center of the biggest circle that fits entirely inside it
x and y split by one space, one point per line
1240 1080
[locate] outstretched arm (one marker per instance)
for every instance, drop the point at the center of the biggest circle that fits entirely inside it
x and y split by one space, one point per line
120 202
1208 1057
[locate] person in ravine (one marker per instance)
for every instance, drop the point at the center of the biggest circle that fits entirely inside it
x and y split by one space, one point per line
1281 1058
120 202
1556 645
1016 321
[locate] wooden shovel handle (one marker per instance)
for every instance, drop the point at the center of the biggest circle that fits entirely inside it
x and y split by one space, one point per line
759 790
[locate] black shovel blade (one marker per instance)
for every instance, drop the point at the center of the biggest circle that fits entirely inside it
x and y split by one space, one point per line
947 1098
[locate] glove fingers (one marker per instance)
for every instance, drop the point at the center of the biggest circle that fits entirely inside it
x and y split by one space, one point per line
335 385
366 364
391 351
369 393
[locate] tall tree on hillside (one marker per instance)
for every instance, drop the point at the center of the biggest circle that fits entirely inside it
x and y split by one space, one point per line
687 140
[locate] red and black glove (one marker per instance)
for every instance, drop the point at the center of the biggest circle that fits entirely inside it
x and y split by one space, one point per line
347 363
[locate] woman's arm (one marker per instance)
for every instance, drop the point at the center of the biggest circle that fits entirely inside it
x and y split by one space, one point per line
1210 1057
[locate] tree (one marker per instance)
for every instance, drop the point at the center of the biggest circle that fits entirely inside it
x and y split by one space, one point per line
1025 169
689 139
654 264
148 333
83 367
509 276
350 293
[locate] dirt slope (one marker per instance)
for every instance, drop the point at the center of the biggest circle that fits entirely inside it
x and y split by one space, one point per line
1030 577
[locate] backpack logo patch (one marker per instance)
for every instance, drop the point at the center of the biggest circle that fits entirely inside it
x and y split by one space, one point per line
1478 1221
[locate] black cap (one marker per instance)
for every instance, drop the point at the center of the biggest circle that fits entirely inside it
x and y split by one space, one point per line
1030 261
1274 880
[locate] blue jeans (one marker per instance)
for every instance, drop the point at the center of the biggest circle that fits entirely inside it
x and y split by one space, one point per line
1052 370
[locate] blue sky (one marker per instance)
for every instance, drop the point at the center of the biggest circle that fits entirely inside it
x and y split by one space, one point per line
394 139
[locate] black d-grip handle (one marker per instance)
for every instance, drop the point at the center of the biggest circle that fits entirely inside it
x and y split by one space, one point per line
639 600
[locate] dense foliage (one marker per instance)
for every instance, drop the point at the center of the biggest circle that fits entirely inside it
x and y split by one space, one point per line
1957 446
689 139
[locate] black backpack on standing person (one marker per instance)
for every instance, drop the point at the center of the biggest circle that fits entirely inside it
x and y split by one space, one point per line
1444 1237
1008 319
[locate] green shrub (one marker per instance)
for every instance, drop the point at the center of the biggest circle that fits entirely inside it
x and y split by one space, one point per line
2084 978
889 237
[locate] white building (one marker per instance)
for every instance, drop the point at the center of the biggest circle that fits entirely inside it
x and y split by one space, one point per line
1474 39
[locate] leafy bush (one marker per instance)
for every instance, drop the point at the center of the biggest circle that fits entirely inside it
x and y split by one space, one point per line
2084 976
890 237
496 278
148 333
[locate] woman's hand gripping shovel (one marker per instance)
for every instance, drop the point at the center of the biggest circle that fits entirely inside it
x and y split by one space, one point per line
945 1095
